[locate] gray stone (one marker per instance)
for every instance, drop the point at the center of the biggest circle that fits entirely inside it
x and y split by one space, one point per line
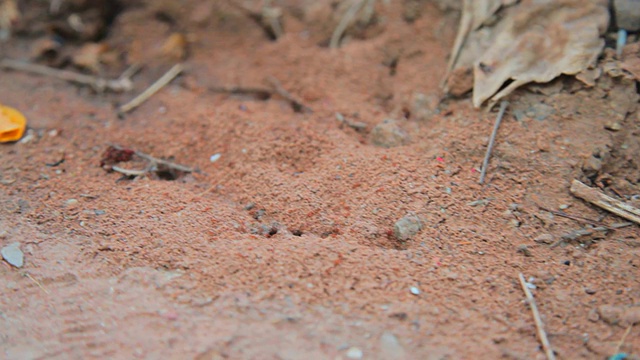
13 255
423 107
354 353
388 134
391 347
545 239
407 227
540 111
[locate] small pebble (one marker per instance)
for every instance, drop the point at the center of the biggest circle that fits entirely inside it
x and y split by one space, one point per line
13 255
563 207
71 203
407 227
523 249
544 239
391 347
388 134
215 157
415 291
613 126
354 353
540 111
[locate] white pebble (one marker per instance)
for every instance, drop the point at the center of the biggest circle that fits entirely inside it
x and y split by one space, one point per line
415 290
354 353
215 157
13 255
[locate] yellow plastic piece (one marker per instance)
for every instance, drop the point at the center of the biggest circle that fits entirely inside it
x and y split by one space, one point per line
12 124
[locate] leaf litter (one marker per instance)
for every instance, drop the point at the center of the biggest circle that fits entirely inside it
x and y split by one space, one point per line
533 41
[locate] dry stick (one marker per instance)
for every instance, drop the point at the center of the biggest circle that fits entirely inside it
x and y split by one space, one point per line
575 234
297 105
121 84
154 88
604 201
624 336
129 172
153 160
37 283
536 317
345 22
485 163
574 217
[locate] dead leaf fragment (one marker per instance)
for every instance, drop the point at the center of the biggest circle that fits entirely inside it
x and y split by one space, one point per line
539 42
89 56
175 47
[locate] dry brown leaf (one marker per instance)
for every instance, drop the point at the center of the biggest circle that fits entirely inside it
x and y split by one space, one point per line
475 13
539 42
175 47
89 56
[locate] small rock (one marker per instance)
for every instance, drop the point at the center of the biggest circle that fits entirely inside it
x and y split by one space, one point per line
13 255
215 157
589 291
414 290
354 353
407 227
544 239
591 166
523 249
610 314
388 134
631 316
71 203
563 207
423 107
250 206
613 126
540 111
391 347
593 315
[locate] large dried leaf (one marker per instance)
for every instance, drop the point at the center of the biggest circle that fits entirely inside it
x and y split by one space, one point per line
540 41
474 14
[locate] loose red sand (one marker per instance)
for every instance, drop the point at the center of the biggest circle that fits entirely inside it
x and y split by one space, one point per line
154 269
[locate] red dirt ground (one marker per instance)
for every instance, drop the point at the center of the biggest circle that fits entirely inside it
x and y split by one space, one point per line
156 269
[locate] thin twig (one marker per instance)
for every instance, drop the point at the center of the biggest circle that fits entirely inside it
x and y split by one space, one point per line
129 172
536 317
255 92
344 23
154 88
574 217
575 234
121 84
154 161
604 201
624 337
485 163
37 283
297 105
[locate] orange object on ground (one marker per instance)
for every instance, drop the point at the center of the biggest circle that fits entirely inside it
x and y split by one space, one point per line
12 124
